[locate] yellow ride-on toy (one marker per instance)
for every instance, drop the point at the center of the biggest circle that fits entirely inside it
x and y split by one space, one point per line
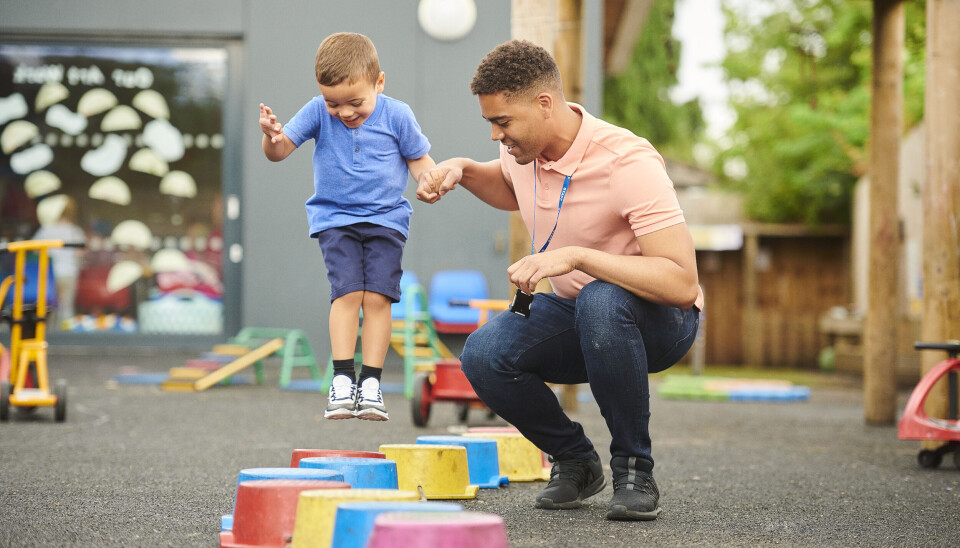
28 387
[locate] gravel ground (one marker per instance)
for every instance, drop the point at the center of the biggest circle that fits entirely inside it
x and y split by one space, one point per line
136 466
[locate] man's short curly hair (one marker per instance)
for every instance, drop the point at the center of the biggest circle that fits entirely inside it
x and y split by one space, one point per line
517 68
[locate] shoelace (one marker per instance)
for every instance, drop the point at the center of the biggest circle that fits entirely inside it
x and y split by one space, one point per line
341 392
371 394
575 470
640 482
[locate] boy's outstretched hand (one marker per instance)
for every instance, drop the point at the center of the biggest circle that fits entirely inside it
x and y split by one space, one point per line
269 125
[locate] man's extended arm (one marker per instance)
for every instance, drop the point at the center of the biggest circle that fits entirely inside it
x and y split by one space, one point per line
483 179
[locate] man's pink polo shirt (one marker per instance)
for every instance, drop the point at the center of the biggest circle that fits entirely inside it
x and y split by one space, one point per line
619 190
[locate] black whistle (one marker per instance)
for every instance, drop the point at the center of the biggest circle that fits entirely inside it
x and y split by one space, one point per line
521 303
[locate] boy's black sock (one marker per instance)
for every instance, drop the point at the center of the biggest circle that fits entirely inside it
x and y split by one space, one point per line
345 367
367 371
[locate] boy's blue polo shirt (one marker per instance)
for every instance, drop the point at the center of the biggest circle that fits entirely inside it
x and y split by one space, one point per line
359 175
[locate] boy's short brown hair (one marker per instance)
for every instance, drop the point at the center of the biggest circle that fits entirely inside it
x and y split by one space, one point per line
517 68
346 57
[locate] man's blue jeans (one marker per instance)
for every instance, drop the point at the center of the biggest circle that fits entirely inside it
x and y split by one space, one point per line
607 337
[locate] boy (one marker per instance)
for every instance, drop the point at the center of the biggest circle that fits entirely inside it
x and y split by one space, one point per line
365 143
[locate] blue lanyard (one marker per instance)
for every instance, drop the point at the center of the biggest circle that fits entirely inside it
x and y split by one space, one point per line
563 192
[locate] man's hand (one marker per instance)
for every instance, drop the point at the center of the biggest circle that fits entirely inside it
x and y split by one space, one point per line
269 125
429 184
528 271
434 183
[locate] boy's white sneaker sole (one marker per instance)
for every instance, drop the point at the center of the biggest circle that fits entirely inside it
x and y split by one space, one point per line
373 414
337 414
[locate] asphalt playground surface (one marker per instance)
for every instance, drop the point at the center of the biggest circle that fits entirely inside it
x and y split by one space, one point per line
133 465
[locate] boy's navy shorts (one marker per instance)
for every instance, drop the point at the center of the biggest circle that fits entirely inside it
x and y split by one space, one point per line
362 257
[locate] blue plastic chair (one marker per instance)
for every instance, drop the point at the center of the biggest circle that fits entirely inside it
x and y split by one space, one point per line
450 287
398 310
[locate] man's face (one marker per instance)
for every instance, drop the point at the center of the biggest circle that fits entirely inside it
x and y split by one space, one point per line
352 102
517 124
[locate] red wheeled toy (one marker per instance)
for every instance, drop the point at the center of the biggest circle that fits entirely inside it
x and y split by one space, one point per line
445 383
915 424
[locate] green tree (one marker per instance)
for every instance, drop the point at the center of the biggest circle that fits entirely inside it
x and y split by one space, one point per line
638 98
799 73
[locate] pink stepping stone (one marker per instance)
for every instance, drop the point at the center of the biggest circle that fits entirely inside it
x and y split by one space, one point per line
438 529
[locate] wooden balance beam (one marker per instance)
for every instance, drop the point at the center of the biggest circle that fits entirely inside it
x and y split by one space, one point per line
231 368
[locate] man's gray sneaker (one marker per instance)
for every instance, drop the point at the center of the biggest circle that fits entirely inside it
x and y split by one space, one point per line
370 401
342 403
635 493
572 480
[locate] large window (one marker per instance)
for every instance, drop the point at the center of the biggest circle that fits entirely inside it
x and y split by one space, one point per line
120 147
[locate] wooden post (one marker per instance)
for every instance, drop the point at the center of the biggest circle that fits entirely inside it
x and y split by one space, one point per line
568 49
536 21
633 17
941 191
886 123
752 336
555 25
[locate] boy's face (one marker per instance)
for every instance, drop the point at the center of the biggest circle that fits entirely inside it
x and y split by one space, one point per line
352 102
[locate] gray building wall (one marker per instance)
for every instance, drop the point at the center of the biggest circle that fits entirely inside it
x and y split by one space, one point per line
272 44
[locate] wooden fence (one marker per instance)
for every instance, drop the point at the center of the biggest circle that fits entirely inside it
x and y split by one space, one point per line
764 302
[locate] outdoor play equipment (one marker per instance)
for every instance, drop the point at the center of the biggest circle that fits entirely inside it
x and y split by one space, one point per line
354 520
520 459
447 289
323 502
28 386
915 424
437 471
446 382
429 529
249 348
317 511
266 509
300 454
415 338
482 458
197 379
359 473
398 310
331 478
709 388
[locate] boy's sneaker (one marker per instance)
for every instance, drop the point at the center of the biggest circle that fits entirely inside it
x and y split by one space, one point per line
635 493
571 480
343 398
370 401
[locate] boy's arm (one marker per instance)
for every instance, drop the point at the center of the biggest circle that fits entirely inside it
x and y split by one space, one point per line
276 145
419 166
